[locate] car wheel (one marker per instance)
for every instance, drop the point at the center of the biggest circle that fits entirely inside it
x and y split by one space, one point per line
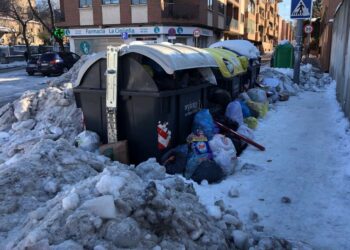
46 74
30 73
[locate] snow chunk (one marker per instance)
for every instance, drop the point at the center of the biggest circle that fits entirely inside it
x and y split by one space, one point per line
240 239
102 206
214 211
150 170
110 185
71 201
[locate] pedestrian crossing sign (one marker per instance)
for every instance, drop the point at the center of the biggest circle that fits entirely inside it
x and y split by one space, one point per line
301 9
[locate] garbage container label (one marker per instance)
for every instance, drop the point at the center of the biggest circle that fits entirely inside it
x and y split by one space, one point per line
164 135
192 108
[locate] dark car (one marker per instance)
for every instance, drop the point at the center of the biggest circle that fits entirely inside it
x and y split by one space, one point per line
56 62
32 66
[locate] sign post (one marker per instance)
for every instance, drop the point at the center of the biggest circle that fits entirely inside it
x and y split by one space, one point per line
300 10
172 34
196 34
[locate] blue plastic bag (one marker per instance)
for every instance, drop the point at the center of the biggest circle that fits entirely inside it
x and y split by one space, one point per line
204 121
245 109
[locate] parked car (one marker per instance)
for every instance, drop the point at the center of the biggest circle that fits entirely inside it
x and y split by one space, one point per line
32 66
56 62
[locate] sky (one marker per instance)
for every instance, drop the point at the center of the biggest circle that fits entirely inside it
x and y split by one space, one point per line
284 9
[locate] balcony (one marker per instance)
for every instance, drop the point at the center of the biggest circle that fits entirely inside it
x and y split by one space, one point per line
181 11
258 36
232 24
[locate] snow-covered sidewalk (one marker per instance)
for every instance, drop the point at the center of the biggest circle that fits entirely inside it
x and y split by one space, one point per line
307 159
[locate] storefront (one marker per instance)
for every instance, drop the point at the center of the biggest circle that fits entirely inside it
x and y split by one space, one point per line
92 40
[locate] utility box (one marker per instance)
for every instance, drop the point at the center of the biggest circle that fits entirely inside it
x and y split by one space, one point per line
283 56
160 88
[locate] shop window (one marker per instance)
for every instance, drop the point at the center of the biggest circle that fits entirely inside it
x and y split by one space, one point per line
85 3
134 2
110 1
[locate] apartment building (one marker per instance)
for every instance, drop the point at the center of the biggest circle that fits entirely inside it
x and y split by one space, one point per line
235 19
286 30
91 25
262 23
328 10
10 29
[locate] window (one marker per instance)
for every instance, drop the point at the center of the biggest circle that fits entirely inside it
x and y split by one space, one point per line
221 8
110 1
85 3
138 2
210 4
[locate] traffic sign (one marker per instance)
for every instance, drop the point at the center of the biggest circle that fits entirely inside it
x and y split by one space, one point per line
172 34
125 35
301 9
308 29
196 33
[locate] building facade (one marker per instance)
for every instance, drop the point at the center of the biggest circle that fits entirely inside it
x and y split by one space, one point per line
12 34
262 23
91 25
286 30
328 10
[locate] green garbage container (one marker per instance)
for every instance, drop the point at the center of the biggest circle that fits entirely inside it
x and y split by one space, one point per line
283 56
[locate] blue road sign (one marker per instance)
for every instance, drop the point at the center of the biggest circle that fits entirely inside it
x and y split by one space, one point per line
301 9
125 35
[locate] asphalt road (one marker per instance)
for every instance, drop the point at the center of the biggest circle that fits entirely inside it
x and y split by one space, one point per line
13 84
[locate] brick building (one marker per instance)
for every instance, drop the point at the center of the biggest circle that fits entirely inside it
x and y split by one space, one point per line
93 24
262 23
328 10
286 30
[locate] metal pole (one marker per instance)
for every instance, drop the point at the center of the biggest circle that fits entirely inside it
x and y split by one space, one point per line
298 51
308 42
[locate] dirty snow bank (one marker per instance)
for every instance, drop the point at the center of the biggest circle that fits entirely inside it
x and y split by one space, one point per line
50 113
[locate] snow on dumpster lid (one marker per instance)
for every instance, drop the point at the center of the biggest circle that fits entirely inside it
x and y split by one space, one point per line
173 57
242 47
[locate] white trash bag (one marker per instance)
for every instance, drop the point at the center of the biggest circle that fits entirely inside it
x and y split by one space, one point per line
234 112
224 153
245 131
87 140
257 95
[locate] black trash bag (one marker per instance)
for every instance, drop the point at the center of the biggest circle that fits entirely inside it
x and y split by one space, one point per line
175 160
240 145
208 170
219 96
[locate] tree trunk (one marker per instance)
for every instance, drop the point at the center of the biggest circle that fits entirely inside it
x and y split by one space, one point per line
26 41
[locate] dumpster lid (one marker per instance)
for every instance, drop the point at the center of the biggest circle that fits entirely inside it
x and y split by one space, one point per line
88 63
228 61
172 57
242 47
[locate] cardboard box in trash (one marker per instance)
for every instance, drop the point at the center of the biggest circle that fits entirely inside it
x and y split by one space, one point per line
116 151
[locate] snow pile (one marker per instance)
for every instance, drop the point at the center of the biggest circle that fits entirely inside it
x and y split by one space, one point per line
72 74
243 47
118 208
50 113
311 79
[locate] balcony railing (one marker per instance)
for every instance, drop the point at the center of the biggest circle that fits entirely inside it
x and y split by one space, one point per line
180 11
231 23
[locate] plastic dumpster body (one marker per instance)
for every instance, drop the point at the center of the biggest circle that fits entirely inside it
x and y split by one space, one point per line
230 73
160 88
283 56
247 49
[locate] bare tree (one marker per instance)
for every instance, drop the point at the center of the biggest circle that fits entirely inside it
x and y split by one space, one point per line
46 16
21 14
